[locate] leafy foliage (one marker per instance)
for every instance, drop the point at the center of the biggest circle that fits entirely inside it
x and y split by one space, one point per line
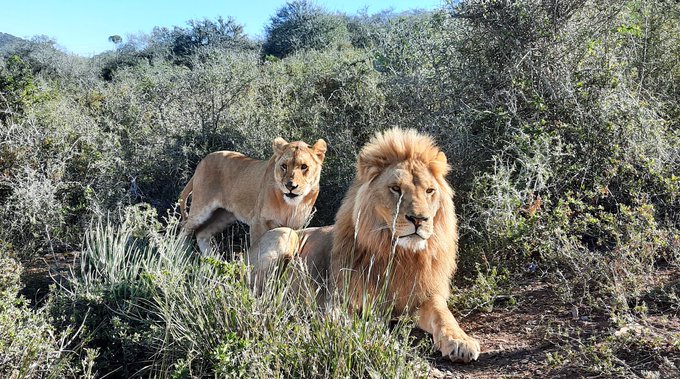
560 120
30 346
17 88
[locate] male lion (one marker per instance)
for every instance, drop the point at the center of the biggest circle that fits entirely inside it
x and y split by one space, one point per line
228 186
397 221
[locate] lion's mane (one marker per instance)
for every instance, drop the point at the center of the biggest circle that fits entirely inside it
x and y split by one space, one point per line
364 253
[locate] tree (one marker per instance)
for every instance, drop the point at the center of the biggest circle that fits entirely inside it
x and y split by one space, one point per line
302 25
207 33
115 39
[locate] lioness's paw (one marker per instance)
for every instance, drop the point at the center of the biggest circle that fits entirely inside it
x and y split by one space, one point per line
461 349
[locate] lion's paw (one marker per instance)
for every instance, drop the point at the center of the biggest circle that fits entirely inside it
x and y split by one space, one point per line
464 349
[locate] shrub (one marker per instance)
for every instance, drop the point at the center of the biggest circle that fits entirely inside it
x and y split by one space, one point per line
17 88
59 170
632 350
30 346
553 185
109 292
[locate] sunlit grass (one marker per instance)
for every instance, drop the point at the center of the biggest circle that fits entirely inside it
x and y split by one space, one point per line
197 316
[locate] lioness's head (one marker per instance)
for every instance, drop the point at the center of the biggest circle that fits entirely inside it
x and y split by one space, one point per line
297 168
402 190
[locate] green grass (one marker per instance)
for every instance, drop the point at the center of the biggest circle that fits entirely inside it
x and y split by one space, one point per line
177 315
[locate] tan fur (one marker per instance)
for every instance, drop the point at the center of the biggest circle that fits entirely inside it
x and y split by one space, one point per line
397 170
228 186
280 246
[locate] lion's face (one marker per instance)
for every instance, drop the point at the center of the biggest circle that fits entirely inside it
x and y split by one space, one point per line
400 194
406 198
297 168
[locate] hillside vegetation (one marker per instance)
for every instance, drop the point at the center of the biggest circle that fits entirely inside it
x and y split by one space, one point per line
560 119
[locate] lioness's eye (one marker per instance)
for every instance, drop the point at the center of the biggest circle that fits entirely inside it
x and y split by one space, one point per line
284 167
430 190
395 189
304 166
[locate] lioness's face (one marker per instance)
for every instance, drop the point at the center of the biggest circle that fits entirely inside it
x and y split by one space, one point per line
407 198
298 168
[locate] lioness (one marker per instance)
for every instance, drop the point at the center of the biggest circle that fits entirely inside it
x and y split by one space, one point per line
228 186
397 221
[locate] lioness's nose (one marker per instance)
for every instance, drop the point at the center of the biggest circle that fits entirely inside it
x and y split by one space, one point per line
291 186
416 220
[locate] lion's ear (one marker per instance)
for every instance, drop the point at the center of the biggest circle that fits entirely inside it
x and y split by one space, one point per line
369 166
279 145
439 165
441 157
320 148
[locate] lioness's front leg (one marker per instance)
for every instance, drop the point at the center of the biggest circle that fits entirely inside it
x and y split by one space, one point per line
435 317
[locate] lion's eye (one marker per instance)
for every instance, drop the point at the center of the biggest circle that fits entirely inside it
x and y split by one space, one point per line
304 166
284 167
430 190
395 189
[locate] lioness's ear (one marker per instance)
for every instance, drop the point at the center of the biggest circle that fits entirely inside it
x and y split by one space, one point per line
320 148
279 145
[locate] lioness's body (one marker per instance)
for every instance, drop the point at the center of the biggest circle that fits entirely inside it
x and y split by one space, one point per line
395 238
228 187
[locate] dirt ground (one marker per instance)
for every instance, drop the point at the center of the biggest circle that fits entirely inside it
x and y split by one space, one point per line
516 339
512 338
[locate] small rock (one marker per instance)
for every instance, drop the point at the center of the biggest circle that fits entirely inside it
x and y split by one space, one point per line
629 329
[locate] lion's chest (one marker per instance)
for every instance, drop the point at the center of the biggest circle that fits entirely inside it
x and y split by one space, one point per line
413 278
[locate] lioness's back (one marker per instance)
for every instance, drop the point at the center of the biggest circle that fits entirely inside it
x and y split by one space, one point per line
231 180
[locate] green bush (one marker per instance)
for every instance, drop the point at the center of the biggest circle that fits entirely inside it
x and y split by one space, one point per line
109 293
30 346
60 170
17 88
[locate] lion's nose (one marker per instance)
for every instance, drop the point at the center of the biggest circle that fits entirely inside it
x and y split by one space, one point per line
291 186
416 220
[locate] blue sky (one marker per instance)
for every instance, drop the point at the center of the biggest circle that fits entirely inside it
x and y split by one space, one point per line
83 27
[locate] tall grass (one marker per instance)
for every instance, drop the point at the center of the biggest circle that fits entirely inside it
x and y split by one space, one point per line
180 315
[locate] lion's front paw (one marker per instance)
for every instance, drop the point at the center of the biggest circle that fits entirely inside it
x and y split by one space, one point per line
464 349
